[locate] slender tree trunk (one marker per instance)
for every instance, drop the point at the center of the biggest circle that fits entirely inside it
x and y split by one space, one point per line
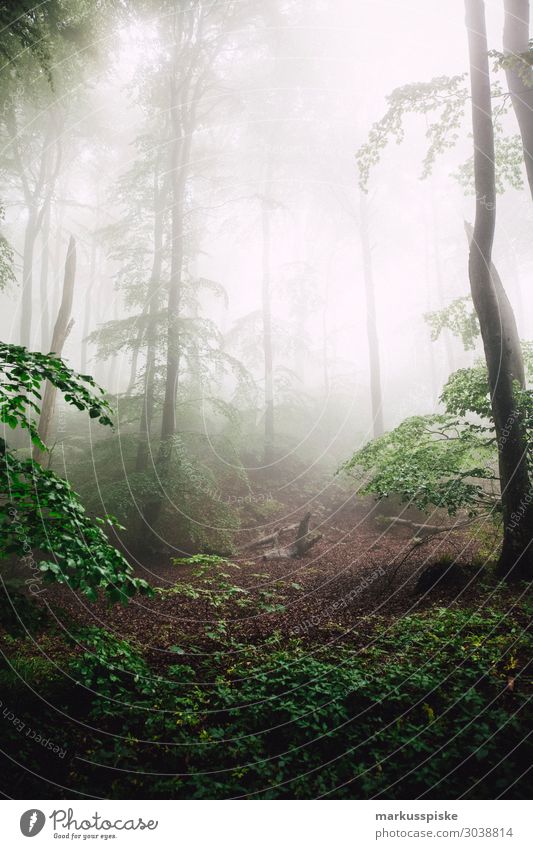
56 263
61 330
520 75
111 371
446 335
181 148
30 235
137 345
434 381
515 274
516 493
371 323
267 332
38 200
147 411
325 359
43 280
87 312
508 322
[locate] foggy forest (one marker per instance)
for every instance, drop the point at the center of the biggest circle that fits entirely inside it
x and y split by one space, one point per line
266 398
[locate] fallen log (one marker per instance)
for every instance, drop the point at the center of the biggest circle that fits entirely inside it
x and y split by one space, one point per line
421 528
304 541
273 537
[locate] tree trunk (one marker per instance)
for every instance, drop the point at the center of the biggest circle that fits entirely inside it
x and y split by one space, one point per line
135 355
371 324
446 335
517 507
508 321
154 286
267 333
520 75
43 280
89 294
181 150
38 200
61 330
434 381
30 235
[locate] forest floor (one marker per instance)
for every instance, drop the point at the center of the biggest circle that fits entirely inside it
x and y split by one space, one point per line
245 677
344 588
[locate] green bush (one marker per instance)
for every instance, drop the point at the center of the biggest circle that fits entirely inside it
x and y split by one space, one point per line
424 709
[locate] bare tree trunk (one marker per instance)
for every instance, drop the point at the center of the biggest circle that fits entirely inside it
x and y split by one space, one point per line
371 324
325 361
61 330
267 332
181 151
43 281
30 235
88 305
135 354
508 321
37 200
434 381
56 264
446 335
516 494
520 75
147 412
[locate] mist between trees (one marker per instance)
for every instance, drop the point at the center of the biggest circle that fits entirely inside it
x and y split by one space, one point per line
264 273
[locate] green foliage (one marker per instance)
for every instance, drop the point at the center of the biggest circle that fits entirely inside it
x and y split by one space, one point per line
40 512
20 614
38 39
195 506
446 460
509 160
23 372
41 518
429 461
109 666
424 707
467 391
212 586
445 95
460 318
7 257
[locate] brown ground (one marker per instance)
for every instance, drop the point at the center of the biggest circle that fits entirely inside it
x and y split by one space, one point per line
346 585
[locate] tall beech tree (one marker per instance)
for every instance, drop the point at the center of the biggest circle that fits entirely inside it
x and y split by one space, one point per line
516 495
517 63
36 189
62 329
267 327
371 322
